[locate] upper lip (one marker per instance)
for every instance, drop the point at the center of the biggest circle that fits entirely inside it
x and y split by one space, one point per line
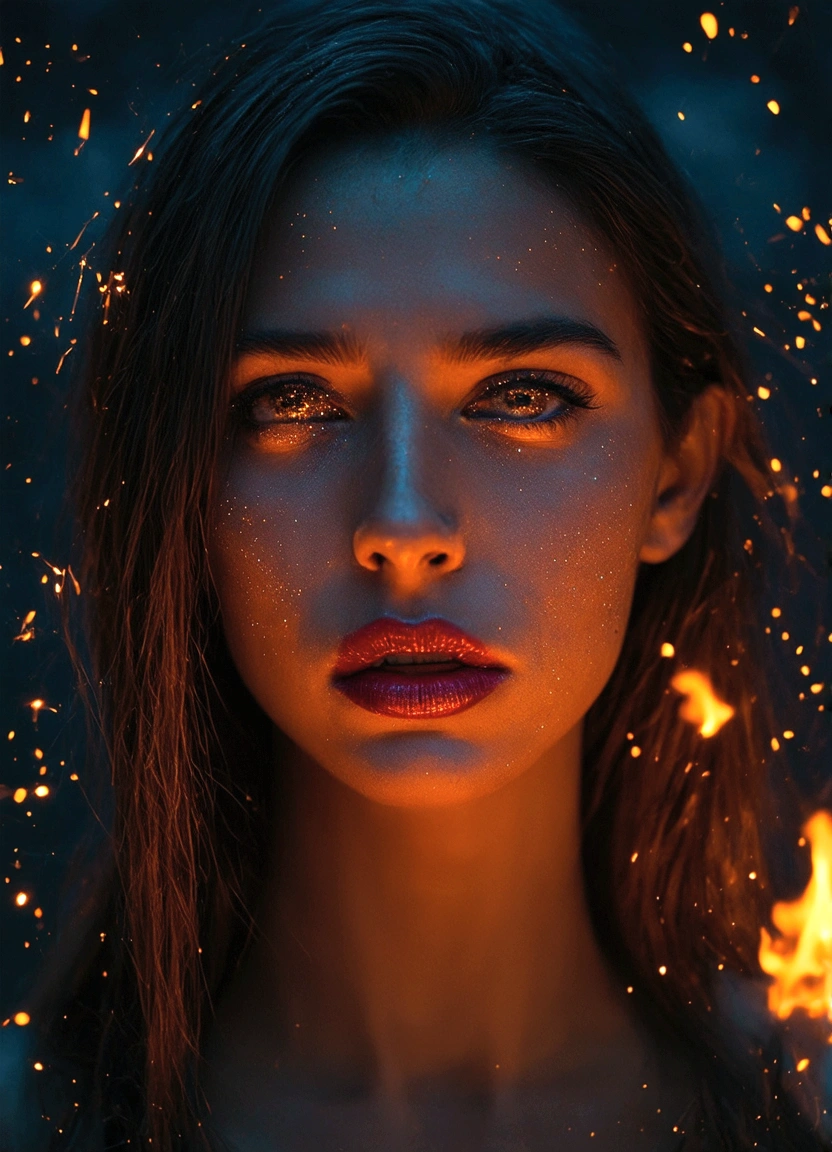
388 636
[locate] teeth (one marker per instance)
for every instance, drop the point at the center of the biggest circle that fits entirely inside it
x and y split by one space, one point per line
415 658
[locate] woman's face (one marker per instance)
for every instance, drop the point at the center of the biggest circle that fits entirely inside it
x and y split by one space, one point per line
444 413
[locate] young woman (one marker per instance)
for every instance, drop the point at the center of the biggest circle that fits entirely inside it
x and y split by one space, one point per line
413 440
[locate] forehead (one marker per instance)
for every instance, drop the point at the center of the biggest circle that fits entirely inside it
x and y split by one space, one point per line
395 239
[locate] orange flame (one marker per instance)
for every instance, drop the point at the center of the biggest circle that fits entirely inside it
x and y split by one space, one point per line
800 958
702 706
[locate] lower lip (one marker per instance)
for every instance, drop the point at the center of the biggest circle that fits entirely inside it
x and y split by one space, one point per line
415 696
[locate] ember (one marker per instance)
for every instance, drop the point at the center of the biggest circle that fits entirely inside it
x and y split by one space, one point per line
702 706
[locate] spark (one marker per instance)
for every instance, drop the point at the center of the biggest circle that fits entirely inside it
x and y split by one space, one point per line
26 632
63 357
141 148
773 107
701 707
822 234
35 289
81 266
83 230
794 222
667 650
710 25
38 706
84 126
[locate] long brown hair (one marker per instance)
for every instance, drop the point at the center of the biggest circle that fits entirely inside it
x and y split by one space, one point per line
670 836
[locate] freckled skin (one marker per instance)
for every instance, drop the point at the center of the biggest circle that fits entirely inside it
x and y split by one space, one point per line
403 250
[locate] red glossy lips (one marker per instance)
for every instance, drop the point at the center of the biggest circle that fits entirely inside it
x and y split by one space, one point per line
373 669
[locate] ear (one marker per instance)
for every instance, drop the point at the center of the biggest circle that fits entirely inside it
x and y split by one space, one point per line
686 474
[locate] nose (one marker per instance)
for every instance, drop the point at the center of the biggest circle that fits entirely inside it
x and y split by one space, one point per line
408 534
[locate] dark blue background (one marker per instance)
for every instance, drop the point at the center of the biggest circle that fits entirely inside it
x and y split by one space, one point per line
141 59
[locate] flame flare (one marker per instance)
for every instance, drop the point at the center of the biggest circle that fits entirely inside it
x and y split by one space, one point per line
702 706
800 958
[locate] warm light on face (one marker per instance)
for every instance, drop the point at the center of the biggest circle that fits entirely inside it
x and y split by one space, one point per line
702 706
800 958
417 259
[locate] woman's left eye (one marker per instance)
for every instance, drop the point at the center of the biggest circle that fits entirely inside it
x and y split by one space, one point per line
530 403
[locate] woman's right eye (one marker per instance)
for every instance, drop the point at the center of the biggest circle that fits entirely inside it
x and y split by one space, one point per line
268 404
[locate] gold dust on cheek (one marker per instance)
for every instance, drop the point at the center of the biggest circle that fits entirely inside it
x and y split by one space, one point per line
285 437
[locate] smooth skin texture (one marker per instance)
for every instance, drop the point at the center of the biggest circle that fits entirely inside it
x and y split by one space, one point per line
443 408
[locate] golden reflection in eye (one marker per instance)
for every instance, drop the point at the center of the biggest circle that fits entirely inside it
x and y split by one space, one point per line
285 413
529 404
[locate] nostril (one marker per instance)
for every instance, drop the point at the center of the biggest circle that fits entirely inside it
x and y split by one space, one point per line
377 560
438 558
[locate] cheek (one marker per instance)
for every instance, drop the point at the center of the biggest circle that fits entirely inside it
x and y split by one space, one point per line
270 555
570 535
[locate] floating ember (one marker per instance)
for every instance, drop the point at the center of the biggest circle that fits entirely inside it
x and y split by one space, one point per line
702 706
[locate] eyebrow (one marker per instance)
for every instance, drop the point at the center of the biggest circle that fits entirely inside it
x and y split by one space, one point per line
528 336
322 347
511 340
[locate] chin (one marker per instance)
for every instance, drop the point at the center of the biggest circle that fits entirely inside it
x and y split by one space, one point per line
423 770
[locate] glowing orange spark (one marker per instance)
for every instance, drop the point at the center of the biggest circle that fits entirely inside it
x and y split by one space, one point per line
702 706
800 957
710 25
773 107
84 126
38 706
140 150
63 357
26 632
35 289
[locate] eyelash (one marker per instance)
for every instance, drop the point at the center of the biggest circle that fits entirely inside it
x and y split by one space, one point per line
574 394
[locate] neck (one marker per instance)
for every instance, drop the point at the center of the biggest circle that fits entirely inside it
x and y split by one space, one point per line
405 944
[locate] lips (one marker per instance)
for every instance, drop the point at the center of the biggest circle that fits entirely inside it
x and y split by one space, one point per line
415 671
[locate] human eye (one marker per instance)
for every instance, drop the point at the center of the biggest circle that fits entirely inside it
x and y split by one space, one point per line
530 404
285 409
